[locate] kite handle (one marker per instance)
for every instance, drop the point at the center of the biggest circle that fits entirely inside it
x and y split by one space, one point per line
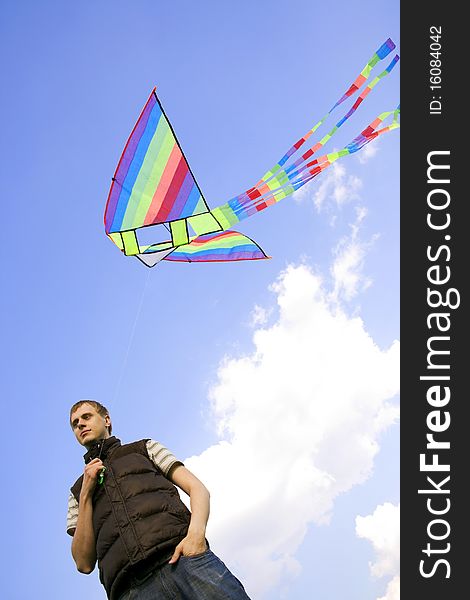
101 476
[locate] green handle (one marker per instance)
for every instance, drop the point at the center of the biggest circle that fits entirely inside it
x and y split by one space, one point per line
101 477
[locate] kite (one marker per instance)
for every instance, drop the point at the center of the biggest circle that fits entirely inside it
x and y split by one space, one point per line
154 185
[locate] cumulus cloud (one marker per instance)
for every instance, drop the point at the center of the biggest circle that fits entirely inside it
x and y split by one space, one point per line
382 529
298 422
393 590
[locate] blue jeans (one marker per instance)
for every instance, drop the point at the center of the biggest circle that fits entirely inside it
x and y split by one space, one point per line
201 577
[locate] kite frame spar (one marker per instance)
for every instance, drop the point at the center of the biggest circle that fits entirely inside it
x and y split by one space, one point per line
153 184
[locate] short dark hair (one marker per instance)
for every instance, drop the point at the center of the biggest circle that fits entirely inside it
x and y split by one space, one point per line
100 409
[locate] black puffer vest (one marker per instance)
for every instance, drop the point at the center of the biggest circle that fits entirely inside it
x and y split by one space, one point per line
138 516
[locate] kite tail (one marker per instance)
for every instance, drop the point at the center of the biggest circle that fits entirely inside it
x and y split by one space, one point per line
280 182
277 173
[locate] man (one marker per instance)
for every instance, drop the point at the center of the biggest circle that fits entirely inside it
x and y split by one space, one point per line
126 514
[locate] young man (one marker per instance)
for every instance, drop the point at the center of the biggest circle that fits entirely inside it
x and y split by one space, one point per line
126 514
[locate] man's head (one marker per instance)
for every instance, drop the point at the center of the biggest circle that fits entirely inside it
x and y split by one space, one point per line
90 422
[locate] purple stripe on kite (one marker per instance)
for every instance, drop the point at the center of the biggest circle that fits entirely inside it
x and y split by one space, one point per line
295 164
247 197
393 63
340 101
248 213
126 160
178 209
346 117
245 252
385 48
297 172
140 151
236 203
205 237
194 197
291 151
357 143
299 184
245 211
135 138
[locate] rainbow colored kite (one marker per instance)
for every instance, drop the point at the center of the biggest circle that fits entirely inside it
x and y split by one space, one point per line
153 184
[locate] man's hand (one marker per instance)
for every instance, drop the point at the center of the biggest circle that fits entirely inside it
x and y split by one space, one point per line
83 543
192 545
90 477
195 542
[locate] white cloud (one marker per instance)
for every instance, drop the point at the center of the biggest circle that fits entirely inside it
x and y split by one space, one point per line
393 590
298 422
336 189
259 316
368 152
382 529
349 255
337 186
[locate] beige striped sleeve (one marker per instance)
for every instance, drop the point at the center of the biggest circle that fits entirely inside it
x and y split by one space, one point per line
72 514
161 456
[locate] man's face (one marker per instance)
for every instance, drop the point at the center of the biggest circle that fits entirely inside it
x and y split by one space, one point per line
88 425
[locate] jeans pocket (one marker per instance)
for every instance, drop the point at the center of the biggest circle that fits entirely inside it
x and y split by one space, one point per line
196 556
207 562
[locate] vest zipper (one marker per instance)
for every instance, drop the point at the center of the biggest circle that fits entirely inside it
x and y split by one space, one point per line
131 524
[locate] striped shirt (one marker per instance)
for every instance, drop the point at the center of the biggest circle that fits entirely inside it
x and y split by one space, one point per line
158 454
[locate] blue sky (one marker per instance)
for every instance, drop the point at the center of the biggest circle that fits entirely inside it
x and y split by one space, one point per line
280 375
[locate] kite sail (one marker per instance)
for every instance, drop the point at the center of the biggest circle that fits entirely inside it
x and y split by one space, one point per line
154 185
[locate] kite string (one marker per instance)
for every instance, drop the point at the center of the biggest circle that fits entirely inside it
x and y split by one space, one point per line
131 339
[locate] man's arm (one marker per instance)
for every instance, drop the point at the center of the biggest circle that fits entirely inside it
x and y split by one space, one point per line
195 540
83 543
